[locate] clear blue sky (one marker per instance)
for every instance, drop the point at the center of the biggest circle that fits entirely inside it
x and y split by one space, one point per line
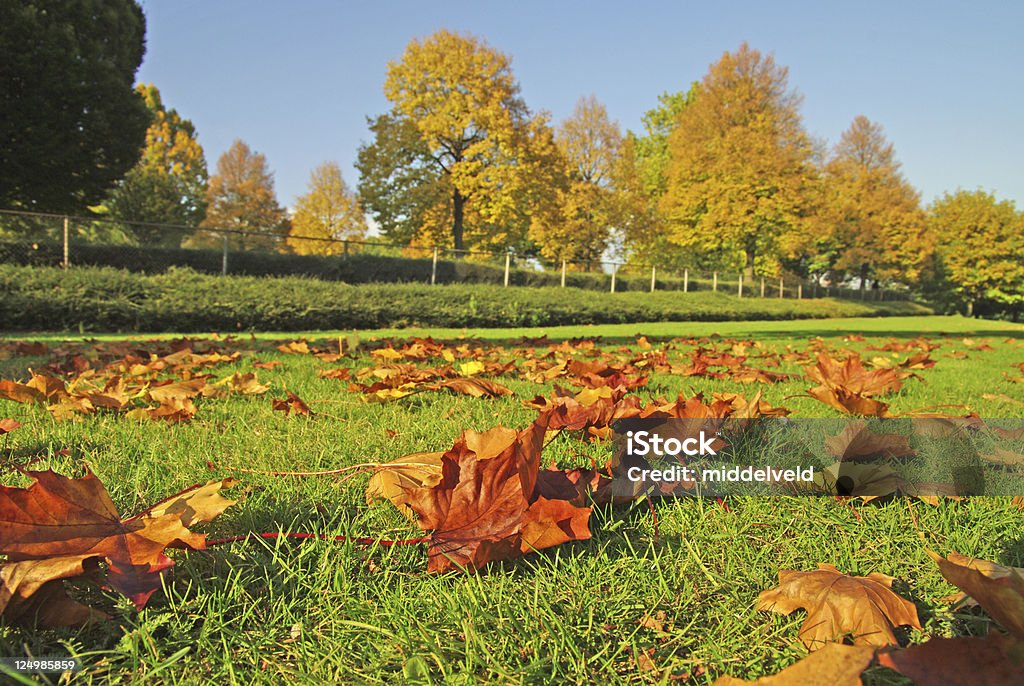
296 80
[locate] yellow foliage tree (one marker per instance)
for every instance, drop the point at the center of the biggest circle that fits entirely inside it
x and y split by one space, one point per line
462 98
329 212
739 166
578 224
878 229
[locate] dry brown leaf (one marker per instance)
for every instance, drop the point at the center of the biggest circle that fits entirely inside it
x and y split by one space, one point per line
31 592
838 605
1001 597
858 442
478 388
834 665
398 478
293 404
8 425
989 569
995 660
61 517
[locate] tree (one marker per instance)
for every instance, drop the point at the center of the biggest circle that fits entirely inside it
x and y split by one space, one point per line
586 207
328 211
878 227
980 248
71 125
399 182
168 184
739 165
460 95
241 197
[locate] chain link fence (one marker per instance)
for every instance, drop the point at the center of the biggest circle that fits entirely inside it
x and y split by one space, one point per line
29 238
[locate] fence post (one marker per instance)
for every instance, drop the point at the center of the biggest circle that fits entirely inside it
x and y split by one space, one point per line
433 268
739 289
762 286
714 281
782 288
563 273
615 270
653 277
686 281
67 253
508 262
224 257
799 291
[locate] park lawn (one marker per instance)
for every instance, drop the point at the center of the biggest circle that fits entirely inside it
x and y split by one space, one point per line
631 605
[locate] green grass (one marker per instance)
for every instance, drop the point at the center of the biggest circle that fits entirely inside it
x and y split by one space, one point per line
322 612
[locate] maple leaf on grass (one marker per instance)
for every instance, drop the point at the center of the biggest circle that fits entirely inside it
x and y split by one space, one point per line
837 605
484 507
857 442
993 660
8 425
293 404
395 480
834 665
31 591
59 517
1001 596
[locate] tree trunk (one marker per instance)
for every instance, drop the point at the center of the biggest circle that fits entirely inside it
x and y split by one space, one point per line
458 210
751 254
864 276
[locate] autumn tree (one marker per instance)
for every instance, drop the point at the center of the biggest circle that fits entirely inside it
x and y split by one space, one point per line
586 205
875 225
980 248
168 183
739 164
241 197
400 183
329 211
642 183
461 96
71 124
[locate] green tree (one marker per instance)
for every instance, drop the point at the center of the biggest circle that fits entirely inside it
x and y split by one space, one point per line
71 124
241 197
328 211
400 184
461 96
168 184
980 247
877 226
739 166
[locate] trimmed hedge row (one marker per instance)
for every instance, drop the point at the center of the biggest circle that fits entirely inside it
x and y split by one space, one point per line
355 268
105 299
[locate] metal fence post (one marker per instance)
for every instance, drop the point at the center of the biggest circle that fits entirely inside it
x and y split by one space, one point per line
508 263
653 277
615 270
686 281
714 282
563 273
66 262
224 257
433 268
739 289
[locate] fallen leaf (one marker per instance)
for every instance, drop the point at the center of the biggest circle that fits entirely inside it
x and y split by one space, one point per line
478 388
8 425
994 660
834 665
292 404
858 442
398 478
61 517
838 605
1001 597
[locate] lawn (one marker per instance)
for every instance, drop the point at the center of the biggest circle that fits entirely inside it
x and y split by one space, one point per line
661 594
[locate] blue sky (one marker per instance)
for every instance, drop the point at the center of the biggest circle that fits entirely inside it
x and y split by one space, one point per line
296 80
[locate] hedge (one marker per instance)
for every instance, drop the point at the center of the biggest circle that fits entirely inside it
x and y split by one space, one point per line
106 299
